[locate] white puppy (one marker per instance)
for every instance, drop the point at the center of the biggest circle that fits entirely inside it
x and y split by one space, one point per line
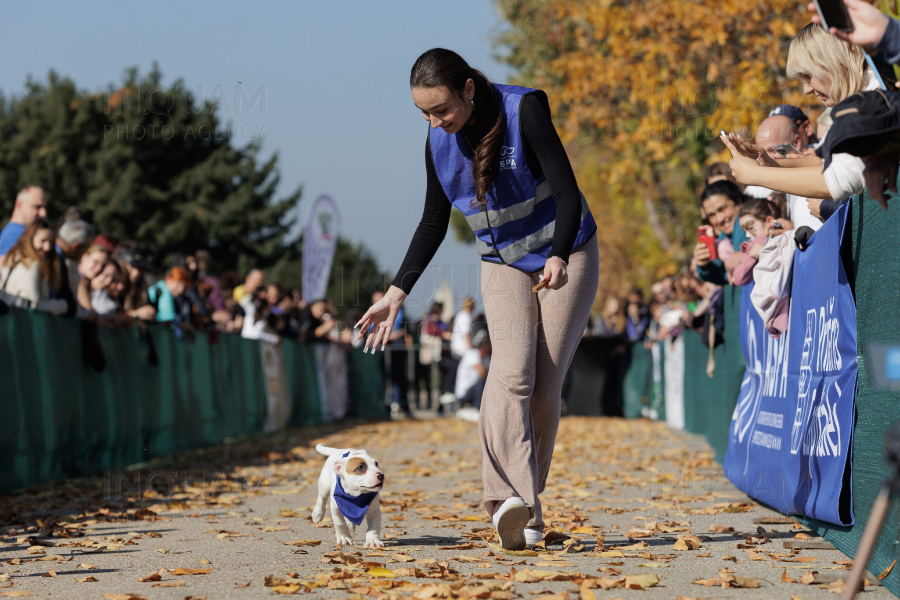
350 482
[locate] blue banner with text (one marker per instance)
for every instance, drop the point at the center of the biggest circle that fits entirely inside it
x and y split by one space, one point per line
791 431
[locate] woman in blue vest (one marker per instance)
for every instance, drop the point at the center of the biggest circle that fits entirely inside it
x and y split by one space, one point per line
493 153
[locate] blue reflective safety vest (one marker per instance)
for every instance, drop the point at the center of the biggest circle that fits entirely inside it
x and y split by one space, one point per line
516 226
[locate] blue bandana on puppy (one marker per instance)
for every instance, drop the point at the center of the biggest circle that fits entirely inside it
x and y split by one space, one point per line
354 508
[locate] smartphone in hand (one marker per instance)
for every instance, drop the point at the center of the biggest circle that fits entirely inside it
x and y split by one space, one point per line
706 236
833 13
785 149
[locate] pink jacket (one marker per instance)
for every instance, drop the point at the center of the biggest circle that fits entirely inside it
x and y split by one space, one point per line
743 273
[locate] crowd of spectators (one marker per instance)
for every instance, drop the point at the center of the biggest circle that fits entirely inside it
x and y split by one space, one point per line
780 188
74 271
439 362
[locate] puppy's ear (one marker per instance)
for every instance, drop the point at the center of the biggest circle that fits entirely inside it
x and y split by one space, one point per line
339 467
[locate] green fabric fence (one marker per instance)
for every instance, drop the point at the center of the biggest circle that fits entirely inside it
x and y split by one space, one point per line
871 260
873 270
709 401
63 419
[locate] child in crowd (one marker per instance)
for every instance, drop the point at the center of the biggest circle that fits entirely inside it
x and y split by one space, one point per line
101 302
91 265
30 269
166 295
758 218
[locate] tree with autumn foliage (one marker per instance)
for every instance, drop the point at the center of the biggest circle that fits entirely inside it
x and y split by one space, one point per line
639 91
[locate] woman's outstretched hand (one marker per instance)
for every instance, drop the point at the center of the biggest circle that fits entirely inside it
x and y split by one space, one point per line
742 166
380 318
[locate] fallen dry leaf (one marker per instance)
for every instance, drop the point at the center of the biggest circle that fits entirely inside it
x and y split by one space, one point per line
401 557
887 571
687 542
535 575
808 578
785 578
835 587
466 546
641 582
179 583
303 543
183 571
152 576
731 580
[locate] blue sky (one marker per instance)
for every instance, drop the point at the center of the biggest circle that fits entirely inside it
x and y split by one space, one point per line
333 76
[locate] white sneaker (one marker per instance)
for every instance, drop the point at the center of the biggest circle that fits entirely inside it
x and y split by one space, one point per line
468 414
509 521
533 536
447 398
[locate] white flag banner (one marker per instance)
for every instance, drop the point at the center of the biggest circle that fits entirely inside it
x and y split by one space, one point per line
319 241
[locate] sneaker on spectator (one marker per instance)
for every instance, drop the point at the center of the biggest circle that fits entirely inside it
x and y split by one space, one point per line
447 398
468 413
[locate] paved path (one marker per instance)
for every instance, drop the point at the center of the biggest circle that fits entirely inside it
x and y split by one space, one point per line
241 512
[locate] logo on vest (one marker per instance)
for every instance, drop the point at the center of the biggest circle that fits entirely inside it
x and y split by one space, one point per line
507 160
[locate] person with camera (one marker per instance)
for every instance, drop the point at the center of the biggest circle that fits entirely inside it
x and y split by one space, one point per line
493 153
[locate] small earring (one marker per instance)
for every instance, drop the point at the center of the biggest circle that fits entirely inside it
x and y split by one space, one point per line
472 100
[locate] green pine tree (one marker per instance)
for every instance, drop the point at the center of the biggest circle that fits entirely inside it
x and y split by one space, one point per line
153 163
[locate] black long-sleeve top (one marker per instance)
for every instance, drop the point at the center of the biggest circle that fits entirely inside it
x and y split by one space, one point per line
544 154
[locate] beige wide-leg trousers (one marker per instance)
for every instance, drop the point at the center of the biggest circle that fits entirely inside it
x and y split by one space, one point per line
534 336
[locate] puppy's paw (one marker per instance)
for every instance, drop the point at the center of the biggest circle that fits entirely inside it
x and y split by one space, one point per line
343 540
374 542
317 516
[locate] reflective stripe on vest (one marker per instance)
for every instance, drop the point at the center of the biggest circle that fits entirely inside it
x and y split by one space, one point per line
517 222
520 248
496 218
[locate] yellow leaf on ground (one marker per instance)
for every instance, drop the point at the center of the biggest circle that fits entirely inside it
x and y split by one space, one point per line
183 571
380 572
88 579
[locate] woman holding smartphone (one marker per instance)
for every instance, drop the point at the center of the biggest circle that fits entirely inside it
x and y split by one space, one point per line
493 153
833 70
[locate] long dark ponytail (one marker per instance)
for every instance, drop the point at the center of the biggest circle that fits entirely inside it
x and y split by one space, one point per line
439 67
